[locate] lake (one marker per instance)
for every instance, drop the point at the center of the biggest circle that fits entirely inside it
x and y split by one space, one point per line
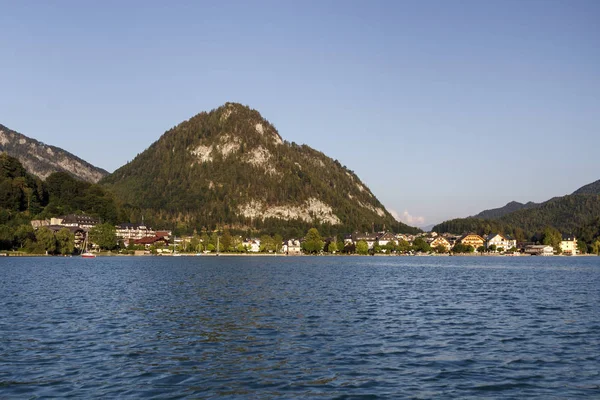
300 327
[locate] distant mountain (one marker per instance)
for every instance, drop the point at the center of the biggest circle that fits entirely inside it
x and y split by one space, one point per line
230 167
567 214
513 206
592 188
42 160
427 228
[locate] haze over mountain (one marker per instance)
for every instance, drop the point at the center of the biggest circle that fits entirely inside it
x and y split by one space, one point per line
230 167
42 160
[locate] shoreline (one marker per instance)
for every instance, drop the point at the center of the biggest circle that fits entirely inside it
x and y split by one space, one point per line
20 255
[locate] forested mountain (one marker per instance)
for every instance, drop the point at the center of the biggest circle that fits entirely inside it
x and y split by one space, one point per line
592 188
507 209
230 167
42 160
567 214
494 213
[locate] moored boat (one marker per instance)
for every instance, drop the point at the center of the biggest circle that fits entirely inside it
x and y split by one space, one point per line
86 252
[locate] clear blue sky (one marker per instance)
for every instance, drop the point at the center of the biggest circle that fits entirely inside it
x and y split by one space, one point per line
443 108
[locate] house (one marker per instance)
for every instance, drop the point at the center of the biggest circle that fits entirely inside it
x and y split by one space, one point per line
539 250
568 245
511 242
134 231
370 238
78 233
151 241
500 241
348 240
495 239
292 246
385 238
165 234
521 246
404 237
441 241
252 245
451 237
83 221
472 239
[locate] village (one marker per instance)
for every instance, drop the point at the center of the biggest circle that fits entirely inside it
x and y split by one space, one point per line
140 239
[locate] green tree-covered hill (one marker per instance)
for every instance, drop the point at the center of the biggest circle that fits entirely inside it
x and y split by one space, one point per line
567 214
229 167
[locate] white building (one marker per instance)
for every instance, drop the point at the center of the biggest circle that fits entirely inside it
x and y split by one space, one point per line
568 245
539 250
82 221
253 245
292 246
369 238
499 240
134 231
385 238
441 241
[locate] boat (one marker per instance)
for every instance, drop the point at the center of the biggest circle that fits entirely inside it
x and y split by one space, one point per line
175 253
86 252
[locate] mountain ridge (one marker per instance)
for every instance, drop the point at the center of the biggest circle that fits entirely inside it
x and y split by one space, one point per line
508 208
590 188
42 160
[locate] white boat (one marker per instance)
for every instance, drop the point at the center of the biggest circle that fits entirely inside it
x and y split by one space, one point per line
175 253
86 253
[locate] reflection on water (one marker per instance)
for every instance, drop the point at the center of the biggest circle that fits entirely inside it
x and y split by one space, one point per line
386 327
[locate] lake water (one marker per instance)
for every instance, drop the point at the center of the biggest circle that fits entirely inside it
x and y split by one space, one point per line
300 327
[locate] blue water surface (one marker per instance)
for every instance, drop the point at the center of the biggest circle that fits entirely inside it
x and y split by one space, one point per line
300 327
